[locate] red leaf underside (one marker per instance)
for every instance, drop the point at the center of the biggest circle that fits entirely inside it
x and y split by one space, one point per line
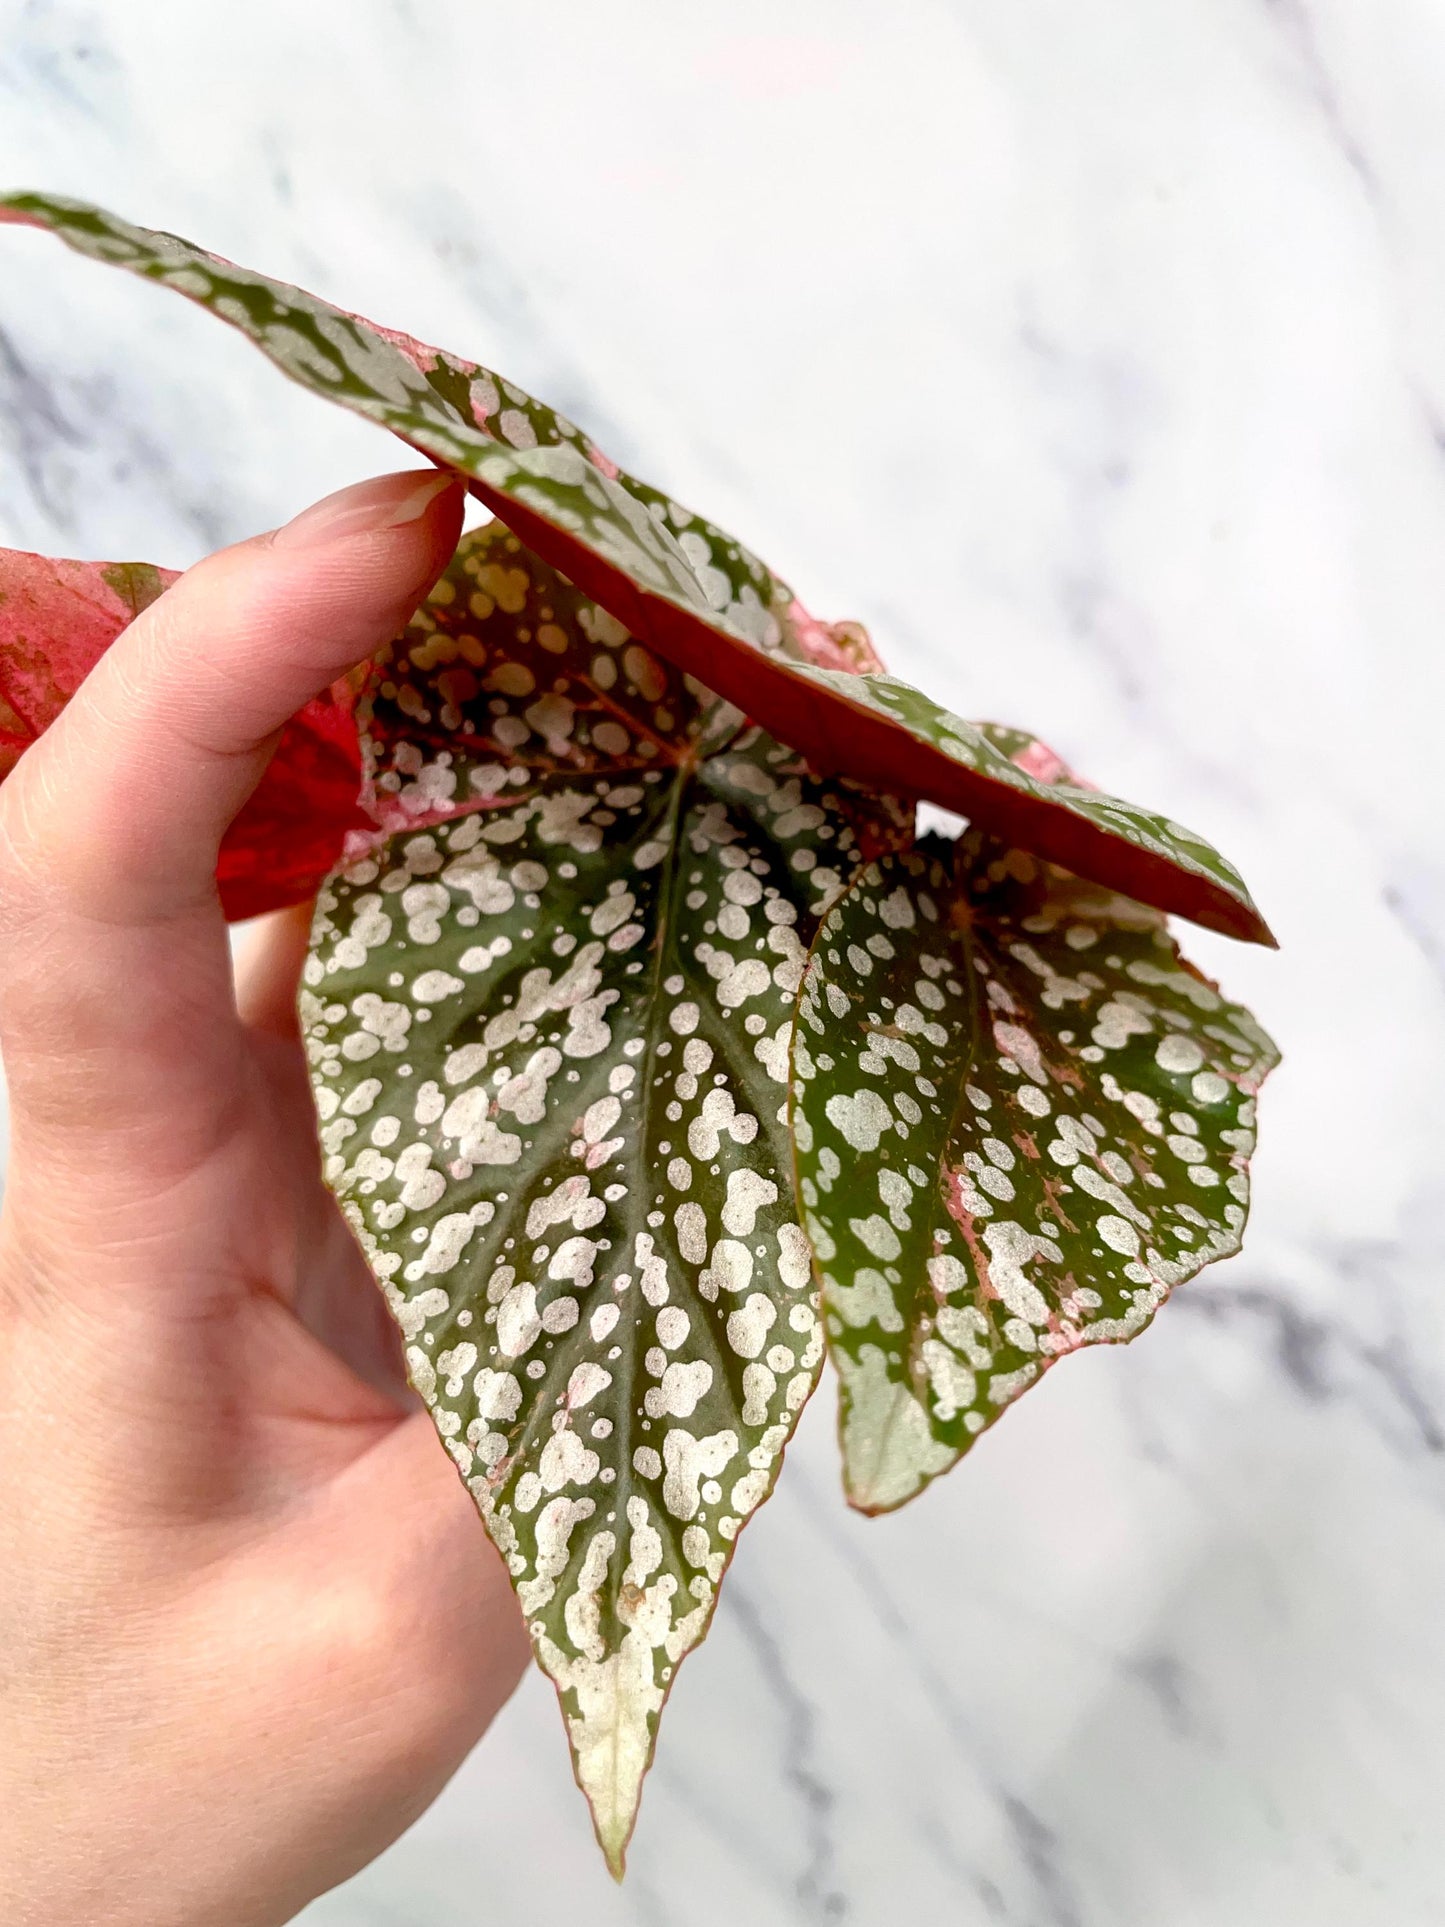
673 579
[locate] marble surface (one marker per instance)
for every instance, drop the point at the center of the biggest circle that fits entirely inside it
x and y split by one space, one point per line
1093 352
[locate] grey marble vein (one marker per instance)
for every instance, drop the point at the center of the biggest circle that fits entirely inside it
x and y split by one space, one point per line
817 1895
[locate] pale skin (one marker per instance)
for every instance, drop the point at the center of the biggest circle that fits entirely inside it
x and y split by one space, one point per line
249 1621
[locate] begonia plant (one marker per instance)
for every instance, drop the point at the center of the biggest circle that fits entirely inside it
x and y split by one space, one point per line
656 1055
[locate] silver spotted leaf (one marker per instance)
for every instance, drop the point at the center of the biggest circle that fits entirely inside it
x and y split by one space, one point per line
676 581
969 768
548 1013
1021 1120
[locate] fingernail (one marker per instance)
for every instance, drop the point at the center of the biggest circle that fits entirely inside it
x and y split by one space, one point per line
366 508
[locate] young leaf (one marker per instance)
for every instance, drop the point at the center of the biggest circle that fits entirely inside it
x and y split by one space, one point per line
673 579
1021 1119
58 618
548 1018
294 826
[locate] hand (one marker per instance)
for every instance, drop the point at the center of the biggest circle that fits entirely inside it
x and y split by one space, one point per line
249 1620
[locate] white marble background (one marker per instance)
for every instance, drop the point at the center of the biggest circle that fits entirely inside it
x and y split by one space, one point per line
1093 351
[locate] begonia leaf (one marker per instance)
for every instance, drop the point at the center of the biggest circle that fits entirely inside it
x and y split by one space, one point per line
676 582
57 618
649 1047
548 1017
294 825
1021 1120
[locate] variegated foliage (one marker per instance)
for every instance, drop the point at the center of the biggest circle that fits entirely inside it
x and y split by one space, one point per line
1021 1119
548 1018
651 1053
674 579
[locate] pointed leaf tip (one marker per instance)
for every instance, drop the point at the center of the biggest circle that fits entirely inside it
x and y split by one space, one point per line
613 1734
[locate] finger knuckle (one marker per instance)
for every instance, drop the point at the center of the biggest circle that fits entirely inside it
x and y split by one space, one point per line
22 863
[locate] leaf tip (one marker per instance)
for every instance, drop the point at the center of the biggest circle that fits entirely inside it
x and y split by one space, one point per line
888 1448
611 1706
1246 923
613 1821
14 208
614 1852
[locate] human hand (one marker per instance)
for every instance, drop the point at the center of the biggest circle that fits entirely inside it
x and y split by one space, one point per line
249 1620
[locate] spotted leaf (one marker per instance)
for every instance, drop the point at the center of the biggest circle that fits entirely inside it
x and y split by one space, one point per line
1021 1119
678 583
548 1016
57 619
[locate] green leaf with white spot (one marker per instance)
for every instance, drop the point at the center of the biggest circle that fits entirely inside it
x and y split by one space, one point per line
968 768
548 1015
1021 1120
550 1009
683 586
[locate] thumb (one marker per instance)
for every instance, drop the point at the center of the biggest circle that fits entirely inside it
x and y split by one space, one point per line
115 983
